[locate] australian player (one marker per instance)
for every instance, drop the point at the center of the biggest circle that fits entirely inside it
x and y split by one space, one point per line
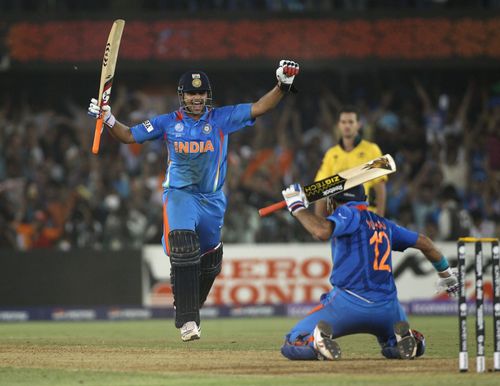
364 297
196 137
352 150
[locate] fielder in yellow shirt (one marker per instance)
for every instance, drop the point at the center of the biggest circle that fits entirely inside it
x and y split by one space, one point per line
352 151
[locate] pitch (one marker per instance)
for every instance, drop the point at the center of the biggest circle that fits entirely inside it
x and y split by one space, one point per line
231 352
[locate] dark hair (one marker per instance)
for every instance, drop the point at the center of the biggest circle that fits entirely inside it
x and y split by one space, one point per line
348 109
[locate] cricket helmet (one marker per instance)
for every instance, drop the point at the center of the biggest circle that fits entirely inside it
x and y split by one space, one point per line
356 193
192 81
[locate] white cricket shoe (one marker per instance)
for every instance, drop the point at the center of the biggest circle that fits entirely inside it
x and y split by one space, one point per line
190 331
406 343
324 344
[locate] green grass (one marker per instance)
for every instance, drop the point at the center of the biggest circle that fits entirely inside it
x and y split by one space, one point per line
231 352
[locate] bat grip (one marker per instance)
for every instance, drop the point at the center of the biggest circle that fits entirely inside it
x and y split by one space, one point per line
97 135
263 212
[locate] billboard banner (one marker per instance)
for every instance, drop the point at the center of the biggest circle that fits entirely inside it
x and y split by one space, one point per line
254 274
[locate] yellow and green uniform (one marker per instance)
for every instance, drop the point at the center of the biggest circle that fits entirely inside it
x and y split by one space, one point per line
336 159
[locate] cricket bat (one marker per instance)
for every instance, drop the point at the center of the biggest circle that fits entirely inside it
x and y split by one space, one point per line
344 180
107 74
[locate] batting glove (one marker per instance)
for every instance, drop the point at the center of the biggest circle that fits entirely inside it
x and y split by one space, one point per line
448 284
295 198
104 111
285 74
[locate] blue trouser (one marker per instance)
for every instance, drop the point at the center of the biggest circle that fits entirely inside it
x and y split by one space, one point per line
202 213
347 315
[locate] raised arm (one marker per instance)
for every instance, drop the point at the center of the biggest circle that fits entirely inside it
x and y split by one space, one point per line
267 102
319 227
423 96
463 109
381 197
285 74
117 129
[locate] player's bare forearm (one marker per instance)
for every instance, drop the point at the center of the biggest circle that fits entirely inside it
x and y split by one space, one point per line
381 195
320 208
319 227
267 102
427 247
121 132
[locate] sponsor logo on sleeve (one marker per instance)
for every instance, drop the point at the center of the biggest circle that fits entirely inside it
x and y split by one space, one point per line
148 126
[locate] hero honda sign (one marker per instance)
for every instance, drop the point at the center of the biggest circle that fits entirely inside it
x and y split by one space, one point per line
252 274
298 273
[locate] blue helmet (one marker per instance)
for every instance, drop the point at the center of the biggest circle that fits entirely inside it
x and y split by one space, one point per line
356 193
192 81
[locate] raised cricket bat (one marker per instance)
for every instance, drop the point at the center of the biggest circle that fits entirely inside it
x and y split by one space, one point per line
107 74
344 180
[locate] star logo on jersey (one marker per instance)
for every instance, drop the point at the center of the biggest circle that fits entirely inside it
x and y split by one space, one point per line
207 128
179 127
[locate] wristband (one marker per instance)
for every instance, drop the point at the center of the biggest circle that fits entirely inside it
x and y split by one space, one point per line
441 265
287 87
296 207
110 121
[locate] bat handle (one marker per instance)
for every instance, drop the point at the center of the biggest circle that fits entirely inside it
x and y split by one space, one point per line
263 212
97 135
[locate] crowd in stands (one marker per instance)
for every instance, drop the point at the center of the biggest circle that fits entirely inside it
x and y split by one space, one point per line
55 193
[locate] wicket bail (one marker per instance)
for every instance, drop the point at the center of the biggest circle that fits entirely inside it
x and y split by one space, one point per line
463 360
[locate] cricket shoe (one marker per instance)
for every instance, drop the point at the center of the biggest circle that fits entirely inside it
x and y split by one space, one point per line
406 343
324 344
190 331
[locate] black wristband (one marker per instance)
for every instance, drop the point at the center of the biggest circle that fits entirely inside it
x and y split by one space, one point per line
287 87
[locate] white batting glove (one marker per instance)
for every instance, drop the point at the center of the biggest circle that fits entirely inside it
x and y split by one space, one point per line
448 284
295 198
285 74
96 111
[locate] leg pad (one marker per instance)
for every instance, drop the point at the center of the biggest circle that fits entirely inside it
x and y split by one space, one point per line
210 267
185 275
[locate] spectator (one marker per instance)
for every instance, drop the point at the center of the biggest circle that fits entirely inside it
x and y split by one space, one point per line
453 221
46 166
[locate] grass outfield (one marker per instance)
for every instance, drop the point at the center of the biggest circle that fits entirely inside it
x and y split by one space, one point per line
231 352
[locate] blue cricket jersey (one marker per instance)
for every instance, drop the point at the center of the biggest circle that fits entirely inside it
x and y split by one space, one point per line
197 150
361 251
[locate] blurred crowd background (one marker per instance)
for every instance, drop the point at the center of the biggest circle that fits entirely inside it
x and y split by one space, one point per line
240 5
442 127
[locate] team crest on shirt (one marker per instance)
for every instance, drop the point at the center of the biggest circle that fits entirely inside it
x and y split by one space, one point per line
207 128
179 127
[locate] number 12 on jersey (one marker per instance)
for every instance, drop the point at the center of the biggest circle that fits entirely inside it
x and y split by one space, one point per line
380 261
